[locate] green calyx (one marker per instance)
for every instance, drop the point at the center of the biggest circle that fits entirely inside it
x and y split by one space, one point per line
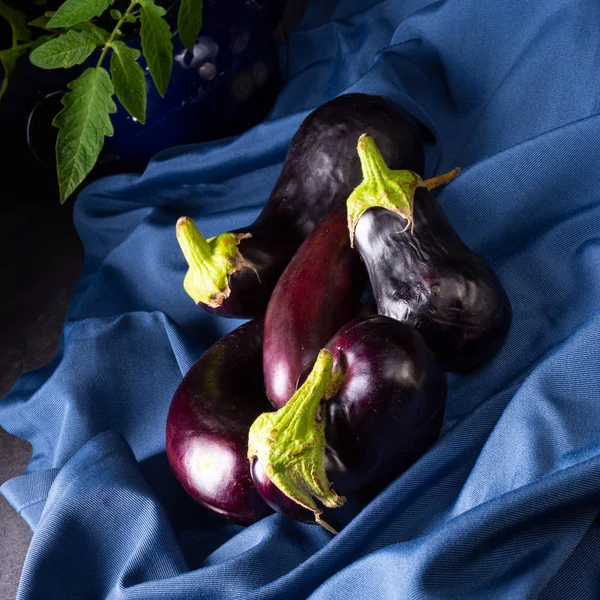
382 187
210 261
290 443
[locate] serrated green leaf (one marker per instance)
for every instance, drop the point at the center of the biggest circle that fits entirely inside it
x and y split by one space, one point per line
156 44
8 59
72 12
159 9
67 50
116 14
189 22
83 123
128 80
100 33
18 23
131 18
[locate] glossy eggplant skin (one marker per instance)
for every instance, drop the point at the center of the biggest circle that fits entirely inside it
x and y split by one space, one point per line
322 167
390 407
387 412
272 245
320 170
318 293
275 498
431 280
208 422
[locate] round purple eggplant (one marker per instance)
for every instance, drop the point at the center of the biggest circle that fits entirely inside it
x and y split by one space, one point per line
318 292
372 404
234 273
208 422
420 270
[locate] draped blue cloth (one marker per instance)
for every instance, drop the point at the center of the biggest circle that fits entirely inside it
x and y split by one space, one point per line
505 504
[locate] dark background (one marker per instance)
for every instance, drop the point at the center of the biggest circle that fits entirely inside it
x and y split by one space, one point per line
40 260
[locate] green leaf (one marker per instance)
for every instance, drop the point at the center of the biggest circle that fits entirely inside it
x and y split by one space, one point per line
8 59
72 12
116 14
83 122
189 22
156 44
18 23
40 22
67 50
100 33
131 18
128 80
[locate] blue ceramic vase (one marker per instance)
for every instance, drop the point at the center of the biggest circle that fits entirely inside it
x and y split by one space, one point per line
225 85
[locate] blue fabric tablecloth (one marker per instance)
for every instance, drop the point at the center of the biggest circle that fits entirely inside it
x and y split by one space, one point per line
505 505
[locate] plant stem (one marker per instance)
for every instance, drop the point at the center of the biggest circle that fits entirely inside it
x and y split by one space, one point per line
439 180
22 47
18 47
113 35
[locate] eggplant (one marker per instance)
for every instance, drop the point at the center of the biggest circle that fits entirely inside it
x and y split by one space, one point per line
233 274
208 422
318 292
372 404
420 271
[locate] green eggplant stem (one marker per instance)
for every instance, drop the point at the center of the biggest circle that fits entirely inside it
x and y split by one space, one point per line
439 180
290 443
383 187
211 262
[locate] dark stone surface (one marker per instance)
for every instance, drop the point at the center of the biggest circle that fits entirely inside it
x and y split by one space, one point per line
14 532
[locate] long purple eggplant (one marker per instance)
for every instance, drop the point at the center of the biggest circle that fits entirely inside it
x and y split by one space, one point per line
318 293
420 270
234 273
208 422
372 404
